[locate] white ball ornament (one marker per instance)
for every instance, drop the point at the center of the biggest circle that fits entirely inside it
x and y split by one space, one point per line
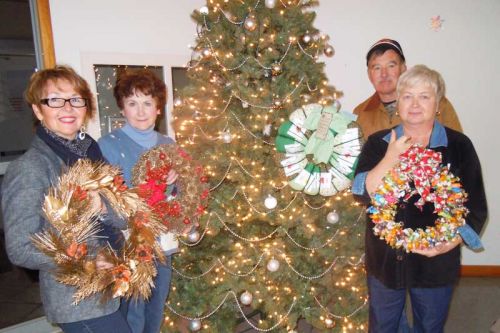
195 325
193 236
226 137
246 298
306 38
270 202
273 265
332 217
204 10
270 3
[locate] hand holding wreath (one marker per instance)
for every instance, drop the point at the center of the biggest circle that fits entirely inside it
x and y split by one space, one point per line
419 173
73 208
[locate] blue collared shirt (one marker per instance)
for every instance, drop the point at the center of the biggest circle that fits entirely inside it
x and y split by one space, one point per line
438 139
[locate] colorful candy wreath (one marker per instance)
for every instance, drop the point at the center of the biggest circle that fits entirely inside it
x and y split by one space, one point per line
178 206
320 147
74 226
434 183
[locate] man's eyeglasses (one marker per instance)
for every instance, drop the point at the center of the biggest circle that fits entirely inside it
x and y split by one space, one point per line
55 102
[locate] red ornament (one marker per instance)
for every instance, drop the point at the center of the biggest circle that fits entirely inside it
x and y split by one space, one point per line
80 194
204 179
204 194
186 220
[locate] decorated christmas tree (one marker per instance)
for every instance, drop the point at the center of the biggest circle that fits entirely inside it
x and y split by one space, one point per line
281 239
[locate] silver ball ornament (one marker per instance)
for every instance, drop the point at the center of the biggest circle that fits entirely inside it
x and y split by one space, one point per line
177 101
204 10
277 103
306 38
273 265
250 23
246 298
193 236
329 323
270 202
226 137
336 105
329 51
206 52
332 217
270 3
195 325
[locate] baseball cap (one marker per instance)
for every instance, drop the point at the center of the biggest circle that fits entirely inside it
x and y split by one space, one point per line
384 45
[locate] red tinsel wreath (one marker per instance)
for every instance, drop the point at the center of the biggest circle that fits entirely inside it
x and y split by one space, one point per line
178 205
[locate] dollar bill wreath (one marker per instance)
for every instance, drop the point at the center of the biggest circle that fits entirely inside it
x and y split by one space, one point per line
74 224
178 207
419 173
320 147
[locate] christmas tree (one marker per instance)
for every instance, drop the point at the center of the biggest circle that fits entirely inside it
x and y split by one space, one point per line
281 239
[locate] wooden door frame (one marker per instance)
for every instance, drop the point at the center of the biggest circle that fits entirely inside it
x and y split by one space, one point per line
45 30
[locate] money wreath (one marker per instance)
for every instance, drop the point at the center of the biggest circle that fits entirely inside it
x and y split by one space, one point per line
320 147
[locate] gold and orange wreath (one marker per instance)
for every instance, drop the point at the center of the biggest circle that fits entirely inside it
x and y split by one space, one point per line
71 238
178 206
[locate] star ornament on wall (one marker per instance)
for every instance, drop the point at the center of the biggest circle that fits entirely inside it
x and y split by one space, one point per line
436 23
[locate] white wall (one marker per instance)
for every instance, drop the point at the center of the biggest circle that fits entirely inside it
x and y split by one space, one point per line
466 52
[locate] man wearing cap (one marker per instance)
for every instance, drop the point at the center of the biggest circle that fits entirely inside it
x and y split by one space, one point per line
386 62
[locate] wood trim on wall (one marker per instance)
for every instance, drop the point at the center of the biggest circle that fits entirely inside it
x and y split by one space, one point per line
46 38
480 271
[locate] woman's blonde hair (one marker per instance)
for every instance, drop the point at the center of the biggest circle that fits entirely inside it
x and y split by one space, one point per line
422 74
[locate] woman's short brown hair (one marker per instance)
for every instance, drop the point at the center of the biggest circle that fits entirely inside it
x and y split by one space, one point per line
145 81
38 81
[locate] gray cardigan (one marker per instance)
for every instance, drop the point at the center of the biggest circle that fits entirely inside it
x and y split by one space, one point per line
24 187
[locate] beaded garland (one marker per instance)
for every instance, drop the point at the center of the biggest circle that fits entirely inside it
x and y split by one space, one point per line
419 173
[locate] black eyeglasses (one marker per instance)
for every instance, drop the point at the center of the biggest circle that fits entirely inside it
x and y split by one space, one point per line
55 102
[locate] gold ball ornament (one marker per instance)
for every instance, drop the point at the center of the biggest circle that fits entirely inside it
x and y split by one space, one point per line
329 51
250 23
276 69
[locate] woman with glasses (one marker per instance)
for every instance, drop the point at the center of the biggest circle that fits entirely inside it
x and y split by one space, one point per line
62 102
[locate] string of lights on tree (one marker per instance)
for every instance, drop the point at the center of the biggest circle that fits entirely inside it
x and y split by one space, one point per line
263 250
